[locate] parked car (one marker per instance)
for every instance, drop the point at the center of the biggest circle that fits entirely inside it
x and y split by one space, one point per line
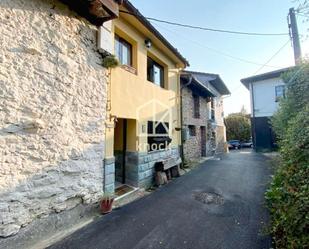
247 144
234 144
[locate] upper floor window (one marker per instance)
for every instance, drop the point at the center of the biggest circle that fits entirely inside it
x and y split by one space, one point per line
196 106
123 51
280 92
212 109
155 72
192 130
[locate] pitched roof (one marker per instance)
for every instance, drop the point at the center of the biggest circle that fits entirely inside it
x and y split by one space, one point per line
264 76
195 85
135 12
213 79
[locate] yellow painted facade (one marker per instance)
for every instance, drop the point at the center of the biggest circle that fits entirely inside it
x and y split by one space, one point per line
136 99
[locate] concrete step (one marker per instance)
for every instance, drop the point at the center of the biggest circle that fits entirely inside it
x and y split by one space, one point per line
133 195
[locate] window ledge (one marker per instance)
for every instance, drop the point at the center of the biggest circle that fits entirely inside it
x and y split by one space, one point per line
163 88
129 69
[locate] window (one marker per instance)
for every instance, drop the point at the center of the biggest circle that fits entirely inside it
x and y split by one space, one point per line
158 136
212 103
123 51
155 72
196 106
280 92
192 130
212 110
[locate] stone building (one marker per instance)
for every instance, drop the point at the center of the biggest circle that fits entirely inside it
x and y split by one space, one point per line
195 99
53 97
202 114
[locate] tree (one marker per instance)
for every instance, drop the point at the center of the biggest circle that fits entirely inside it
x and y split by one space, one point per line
303 7
238 126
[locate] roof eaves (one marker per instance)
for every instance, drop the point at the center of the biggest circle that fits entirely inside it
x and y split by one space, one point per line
224 91
200 84
204 86
95 11
264 76
127 4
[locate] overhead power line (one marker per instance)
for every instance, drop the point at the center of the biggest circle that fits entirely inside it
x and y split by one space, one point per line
265 64
206 28
272 57
303 15
216 50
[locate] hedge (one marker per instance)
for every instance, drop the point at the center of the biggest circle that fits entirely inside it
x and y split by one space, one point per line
288 195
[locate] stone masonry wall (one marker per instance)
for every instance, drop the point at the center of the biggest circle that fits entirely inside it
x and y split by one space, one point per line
140 167
52 112
192 146
216 137
220 126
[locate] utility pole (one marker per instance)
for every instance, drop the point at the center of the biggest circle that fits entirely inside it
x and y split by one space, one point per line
293 30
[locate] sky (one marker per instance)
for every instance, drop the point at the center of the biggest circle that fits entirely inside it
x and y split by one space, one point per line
211 52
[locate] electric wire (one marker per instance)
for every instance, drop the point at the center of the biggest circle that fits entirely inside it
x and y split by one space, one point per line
303 15
273 56
216 50
222 31
205 28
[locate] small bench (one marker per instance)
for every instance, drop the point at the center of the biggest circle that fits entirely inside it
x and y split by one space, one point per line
166 170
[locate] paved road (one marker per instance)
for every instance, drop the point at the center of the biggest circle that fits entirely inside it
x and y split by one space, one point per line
176 217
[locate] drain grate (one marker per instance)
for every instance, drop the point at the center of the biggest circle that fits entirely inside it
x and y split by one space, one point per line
209 198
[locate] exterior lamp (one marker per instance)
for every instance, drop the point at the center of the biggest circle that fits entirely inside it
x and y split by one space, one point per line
148 43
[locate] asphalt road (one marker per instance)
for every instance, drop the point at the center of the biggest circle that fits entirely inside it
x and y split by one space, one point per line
176 215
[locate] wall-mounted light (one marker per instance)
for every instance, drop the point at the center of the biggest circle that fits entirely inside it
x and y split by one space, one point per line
148 43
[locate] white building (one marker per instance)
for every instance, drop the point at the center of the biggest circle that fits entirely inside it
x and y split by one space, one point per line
265 92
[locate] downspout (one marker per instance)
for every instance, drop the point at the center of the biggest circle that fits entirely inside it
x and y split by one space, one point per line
181 118
253 117
108 116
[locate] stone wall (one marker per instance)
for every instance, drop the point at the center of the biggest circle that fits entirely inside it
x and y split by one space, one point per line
140 167
216 137
192 146
52 112
109 175
220 126
221 139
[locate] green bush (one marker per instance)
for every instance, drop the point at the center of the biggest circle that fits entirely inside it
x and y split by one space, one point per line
110 61
288 195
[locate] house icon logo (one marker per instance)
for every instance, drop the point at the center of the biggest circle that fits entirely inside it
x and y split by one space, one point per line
159 119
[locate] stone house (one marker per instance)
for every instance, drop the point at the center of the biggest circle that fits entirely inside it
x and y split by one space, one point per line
53 98
195 98
202 114
143 105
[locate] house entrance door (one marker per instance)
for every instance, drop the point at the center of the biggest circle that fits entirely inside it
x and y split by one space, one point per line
120 151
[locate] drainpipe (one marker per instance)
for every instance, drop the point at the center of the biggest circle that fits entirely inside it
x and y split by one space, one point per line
181 118
253 117
108 110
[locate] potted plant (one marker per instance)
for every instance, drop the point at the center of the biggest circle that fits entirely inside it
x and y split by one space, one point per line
106 204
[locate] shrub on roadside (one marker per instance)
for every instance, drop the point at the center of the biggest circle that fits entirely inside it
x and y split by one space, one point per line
288 196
